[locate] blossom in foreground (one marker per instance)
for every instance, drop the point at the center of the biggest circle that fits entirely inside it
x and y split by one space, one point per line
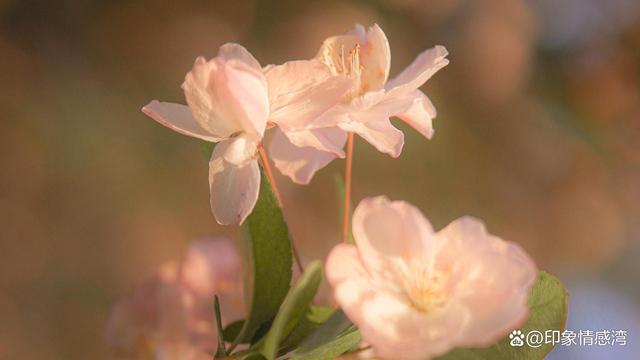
231 101
416 294
365 57
169 316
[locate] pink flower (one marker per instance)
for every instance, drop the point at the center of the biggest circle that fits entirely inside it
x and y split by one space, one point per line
416 294
169 316
232 101
365 57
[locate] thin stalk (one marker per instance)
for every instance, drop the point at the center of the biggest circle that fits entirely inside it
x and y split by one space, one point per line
347 189
267 169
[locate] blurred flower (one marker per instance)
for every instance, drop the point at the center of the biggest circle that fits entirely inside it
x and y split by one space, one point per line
364 56
230 100
416 294
169 316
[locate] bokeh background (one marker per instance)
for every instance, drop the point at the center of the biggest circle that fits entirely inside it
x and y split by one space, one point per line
538 133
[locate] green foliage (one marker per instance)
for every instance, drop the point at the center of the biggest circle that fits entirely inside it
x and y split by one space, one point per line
268 250
292 309
314 317
333 338
232 330
222 351
548 304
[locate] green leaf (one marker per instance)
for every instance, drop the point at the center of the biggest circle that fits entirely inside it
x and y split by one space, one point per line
313 318
232 330
268 251
221 351
292 309
333 338
548 304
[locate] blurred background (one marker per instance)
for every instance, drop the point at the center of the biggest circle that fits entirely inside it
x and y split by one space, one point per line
538 133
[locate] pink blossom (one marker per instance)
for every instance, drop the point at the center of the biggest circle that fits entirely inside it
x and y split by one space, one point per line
231 101
365 57
169 316
416 294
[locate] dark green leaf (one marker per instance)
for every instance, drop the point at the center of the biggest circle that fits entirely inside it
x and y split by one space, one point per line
292 309
312 319
548 303
333 338
231 331
221 352
268 250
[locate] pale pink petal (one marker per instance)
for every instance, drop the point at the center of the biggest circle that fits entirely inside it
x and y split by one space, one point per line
375 58
298 163
420 70
334 52
300 91
206 106
241 149
232 51
344 263
330 140
420 115
388 232
246 90
234 189
492 281
394 328
177 117
227 97
379 132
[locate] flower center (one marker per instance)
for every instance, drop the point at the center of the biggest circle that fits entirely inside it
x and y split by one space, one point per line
347 63
426 289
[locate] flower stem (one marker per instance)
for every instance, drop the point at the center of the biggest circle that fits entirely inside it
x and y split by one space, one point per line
267 169
347 190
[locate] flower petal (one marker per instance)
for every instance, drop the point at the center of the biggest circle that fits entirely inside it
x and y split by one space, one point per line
300 91
344 263
177 117
420 115
298 163
330 140
492 281
394 328
375 58
234 189
420 70
241 149
233 51
378 132
374 55
390 232
227 97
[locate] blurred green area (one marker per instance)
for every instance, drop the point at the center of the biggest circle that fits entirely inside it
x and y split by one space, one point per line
538 133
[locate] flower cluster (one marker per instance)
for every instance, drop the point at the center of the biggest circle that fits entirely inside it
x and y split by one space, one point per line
412 292
311 104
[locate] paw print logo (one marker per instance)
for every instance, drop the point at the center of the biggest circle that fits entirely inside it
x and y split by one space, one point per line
517 338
